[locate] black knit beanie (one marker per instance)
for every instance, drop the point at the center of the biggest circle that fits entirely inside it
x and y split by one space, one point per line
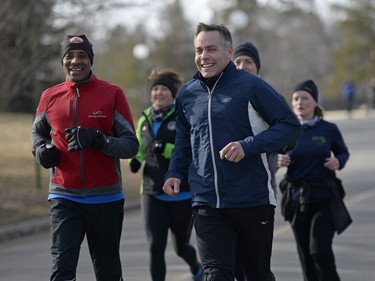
308 86
167 82
76 42
247 49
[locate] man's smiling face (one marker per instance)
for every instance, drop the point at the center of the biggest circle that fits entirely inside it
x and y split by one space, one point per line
211 56
77 65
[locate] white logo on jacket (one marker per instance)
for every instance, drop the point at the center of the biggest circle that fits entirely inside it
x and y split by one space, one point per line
226 100
97 114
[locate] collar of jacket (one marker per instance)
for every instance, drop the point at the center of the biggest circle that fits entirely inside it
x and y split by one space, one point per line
148 113
310 123
210 82
88 80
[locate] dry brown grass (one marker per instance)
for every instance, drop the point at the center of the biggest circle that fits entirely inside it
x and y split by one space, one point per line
20 198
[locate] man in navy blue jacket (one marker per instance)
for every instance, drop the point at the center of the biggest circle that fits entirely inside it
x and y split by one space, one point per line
227 121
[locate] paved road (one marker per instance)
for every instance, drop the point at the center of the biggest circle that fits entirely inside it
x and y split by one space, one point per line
28 258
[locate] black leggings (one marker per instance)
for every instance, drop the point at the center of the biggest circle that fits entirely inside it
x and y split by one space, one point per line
160 216
314 244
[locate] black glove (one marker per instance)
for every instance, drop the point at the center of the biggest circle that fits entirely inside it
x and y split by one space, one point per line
47 155
134 165
80 138
158 146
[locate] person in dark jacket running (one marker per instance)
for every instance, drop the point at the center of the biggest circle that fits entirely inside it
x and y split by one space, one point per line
156 132
246 57
310 187
227 121
82 128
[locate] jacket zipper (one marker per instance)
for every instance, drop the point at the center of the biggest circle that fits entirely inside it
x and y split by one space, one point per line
76 124
212 142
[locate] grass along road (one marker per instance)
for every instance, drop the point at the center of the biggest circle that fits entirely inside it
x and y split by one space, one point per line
20 196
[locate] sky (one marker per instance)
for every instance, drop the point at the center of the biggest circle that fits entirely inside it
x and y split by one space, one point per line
196 11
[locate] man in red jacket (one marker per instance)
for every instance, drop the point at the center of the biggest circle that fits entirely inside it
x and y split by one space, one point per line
82 128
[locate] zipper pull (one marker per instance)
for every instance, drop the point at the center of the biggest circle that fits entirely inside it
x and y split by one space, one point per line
77 90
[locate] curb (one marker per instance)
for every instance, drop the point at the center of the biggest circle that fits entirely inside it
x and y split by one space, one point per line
17 230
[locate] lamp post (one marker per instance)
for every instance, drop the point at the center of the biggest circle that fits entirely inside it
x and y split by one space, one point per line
141 52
